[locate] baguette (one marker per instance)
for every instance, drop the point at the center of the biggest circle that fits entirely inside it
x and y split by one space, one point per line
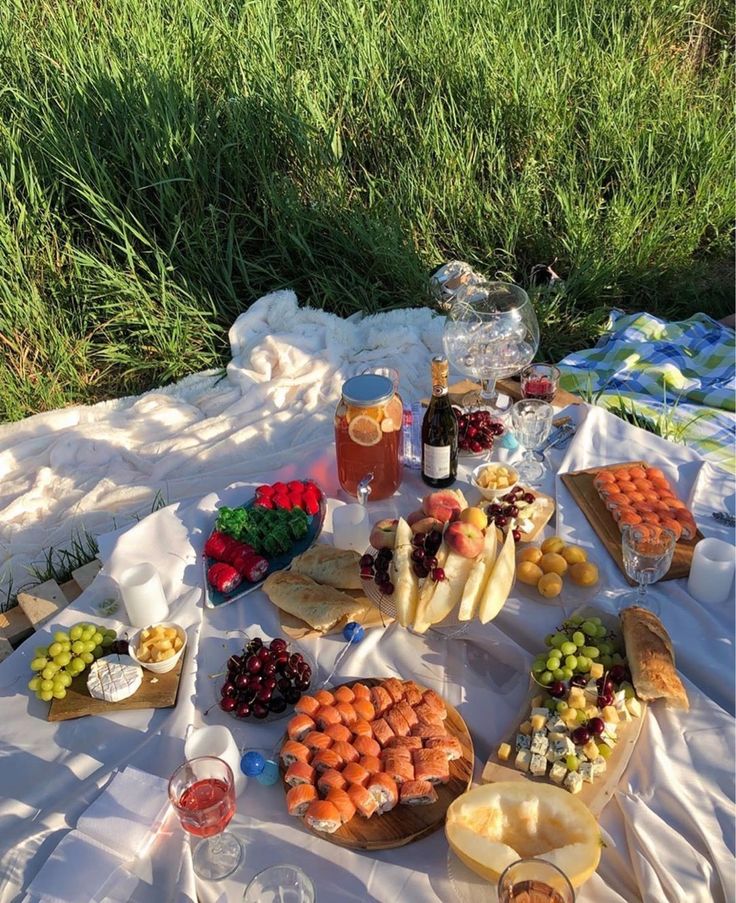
329 566
651 658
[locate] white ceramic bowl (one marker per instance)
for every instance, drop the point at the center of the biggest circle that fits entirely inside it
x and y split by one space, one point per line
157 667
492 494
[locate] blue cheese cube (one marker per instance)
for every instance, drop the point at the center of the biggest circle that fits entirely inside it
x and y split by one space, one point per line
538 765
562 748
539 743
540 710
586 772
523 760
557 773
610 728
523 741
608 740
573 782
599 766
555 723
558 735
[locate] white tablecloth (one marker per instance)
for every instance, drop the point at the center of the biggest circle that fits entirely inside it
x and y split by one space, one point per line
668 832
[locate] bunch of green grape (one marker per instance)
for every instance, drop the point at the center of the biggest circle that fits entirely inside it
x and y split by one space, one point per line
66 656
574 648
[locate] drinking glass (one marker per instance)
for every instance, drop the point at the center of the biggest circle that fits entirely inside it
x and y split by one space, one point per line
647 552
491 332
532 421
202 791
540 381
534 879
280 884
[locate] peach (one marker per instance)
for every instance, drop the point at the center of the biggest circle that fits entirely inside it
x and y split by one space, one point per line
426 525
415 516
476 516
383 534
443 506
464 539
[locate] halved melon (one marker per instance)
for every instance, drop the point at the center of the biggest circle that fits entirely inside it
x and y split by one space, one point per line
493 825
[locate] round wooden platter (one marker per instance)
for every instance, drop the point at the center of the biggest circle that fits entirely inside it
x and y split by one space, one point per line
405 824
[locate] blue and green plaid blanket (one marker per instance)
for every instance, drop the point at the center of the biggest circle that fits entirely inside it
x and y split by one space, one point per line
674 377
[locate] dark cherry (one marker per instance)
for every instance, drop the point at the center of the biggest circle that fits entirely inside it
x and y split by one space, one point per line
501 521
596 726
301 684
418 555
493 510
580 736
256 642
269 683
227 703
387 588
366 573
420 570
259 710
293 695
265 654
418 540
281 658
264 694
438 575
578 681
288 671
605 699
277 645
234 663
517 535
277 704
269 669
283 683
557 689
227 689
253 664
430 562
528 497
385 555
513 511
242 681
296 659
306 673
243 710
366 561
255 683
617 673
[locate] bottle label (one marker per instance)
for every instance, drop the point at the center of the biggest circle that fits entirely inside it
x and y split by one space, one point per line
436 464
439 390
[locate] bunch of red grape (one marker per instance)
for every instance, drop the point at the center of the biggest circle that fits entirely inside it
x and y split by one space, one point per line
264 679
476 430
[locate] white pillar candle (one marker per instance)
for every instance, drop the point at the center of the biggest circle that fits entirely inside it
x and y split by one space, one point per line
351 527
216 740
143 595
711 571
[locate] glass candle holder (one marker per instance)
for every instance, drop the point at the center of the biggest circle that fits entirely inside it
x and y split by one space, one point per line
280 884
143 595
711 571
534 880
540 381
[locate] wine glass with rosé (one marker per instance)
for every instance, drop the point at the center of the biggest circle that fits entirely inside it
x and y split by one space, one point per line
202 791
540 381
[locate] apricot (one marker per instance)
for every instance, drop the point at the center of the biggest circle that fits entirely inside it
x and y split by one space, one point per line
550 585
584 573
553 563
553 544
529 573
532 553
574 554
475 516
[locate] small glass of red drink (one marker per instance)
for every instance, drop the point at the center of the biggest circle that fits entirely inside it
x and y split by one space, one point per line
540 381
202 791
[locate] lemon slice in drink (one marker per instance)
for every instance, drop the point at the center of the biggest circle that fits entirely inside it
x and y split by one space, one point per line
364 430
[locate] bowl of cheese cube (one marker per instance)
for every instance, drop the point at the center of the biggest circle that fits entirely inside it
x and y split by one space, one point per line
158 647
494 480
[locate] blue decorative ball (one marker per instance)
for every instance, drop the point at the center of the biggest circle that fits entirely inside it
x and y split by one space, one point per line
353 632
252 764
508 441
270 773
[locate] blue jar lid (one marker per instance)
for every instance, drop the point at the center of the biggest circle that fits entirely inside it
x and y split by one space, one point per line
367 390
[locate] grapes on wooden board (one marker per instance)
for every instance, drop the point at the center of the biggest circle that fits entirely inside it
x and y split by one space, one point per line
66 656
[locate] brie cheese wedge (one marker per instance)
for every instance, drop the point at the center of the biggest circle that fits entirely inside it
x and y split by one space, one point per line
114 679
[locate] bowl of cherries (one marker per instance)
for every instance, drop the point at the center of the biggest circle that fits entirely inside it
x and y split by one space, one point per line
476 431
264 680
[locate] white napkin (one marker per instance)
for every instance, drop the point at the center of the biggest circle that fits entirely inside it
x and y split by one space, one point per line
128 813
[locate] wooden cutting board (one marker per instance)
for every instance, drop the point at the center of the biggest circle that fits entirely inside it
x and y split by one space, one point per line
581 488
405 824
158 691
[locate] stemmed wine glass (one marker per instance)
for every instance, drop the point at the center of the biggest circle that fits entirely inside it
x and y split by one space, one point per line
647 553
532 421
202 791
491 332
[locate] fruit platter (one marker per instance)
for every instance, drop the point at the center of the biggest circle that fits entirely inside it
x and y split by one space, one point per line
512 507
443 565
251 541
374 764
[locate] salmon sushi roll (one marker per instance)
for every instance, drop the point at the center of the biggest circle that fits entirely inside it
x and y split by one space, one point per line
380 700
629 517
367 746
346 751
394 688
324 697
431 765
361 729
610 489
325 759
653 472
637 473
407 711
327 715
344 694
299 799
643 486
338 732
342 802
364 802
356 774
620 475
346 712
294 751
382 731
603 477
372 764
317 740
398 724
435 701
397 768
615 503
626 487
649 517
675 503
417 793
331 779
404 742
673 525
450 746
400 752
299 726
426 730
412 693
384 791
364 709
427 713
323 816
307 705
637 496
299 773
360 691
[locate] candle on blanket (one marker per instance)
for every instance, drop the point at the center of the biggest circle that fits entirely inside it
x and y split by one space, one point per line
711 571
351 527
143 595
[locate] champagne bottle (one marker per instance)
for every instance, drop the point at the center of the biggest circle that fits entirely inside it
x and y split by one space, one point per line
439 431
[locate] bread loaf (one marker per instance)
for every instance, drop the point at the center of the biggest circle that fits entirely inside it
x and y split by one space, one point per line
339 568
319 606
651 658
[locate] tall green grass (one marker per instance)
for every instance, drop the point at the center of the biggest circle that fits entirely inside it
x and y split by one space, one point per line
165 162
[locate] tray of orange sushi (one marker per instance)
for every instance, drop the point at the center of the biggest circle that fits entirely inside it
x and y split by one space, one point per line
374 764
634 493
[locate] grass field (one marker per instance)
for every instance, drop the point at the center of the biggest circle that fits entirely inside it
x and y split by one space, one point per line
165 162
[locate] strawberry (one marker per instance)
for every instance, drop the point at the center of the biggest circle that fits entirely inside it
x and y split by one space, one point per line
310 505
265 490
280 488
311 486
282 501
295 486
223 577
296 499
264 501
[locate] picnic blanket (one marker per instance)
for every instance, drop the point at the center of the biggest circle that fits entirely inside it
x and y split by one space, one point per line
677 376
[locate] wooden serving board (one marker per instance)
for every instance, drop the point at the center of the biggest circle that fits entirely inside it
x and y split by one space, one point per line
511 387
581 488
299 630
158 691
405 824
